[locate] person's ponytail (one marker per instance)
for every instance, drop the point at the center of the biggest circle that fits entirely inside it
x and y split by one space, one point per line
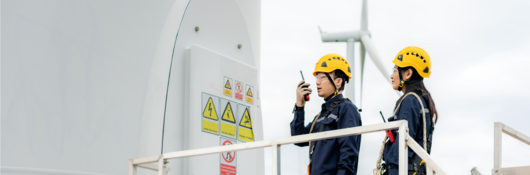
420 89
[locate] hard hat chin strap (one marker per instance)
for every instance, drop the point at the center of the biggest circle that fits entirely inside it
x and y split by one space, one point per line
336 90
403 82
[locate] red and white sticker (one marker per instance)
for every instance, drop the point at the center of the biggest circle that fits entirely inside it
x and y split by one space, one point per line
239 90
228 159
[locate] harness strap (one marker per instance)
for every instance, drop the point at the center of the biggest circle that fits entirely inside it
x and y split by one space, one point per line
395 117
333 105
423 116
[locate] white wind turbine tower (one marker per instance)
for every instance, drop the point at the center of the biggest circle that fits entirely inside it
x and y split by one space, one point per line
363 36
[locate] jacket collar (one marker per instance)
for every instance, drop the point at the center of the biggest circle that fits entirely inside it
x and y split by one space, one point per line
327 104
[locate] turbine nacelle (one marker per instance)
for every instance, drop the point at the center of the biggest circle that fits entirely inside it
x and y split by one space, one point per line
342 36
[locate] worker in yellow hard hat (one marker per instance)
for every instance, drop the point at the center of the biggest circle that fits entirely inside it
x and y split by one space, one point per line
412 65
330 156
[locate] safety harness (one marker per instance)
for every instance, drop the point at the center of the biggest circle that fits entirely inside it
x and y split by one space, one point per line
416 165
332 107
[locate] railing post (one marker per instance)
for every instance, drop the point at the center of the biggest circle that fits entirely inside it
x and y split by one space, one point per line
403 155
161 165
132 168
276 169
497 147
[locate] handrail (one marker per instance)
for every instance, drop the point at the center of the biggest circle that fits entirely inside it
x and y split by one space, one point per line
424 155
276 143
497 152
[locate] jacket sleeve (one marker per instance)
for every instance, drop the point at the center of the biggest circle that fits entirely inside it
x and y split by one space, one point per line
348 146
298 128
410 111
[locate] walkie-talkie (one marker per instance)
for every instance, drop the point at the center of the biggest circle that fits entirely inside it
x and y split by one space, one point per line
306 97
388 132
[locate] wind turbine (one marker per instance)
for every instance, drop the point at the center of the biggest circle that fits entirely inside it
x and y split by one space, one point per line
363 36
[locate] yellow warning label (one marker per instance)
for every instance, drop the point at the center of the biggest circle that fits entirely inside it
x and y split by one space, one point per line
227 85
209 110
245 120
249 92
250 100
228 129
228 115
228 92
246 135
210 126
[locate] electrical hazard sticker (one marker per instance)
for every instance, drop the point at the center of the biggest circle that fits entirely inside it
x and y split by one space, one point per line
227 90
210 120
228 159
209 110
246 133
209 126
228 119
250 94
239 90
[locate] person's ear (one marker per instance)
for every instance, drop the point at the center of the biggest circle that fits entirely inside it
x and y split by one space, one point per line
407 74
338 82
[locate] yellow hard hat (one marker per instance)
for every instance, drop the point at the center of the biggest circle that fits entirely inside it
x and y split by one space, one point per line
415 57
330 62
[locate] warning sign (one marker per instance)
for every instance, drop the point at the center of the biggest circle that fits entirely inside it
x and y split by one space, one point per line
245 120
209 110
228 119
245 126
228 115
227 85
250 94
210 120
239 90
227 90
210 126
228 159
228 130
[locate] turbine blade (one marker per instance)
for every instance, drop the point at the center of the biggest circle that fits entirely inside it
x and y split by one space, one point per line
372 52
364 16
363 55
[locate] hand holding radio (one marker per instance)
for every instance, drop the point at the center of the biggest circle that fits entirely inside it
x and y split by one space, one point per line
302 93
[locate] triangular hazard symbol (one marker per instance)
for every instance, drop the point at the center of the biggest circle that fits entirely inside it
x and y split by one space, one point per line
245 120
228 115
249 93
209 110
227 85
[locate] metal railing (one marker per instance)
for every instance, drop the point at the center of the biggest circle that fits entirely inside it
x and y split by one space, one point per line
405 142
497 170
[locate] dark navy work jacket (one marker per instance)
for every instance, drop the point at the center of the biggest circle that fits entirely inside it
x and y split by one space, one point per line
336 156
409 110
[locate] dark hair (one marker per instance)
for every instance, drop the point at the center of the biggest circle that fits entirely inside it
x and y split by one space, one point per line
339 74
420 89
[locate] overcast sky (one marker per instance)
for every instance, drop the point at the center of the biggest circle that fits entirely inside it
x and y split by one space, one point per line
480 58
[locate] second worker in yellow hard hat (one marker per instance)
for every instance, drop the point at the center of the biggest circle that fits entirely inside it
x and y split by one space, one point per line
412 65
336 156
